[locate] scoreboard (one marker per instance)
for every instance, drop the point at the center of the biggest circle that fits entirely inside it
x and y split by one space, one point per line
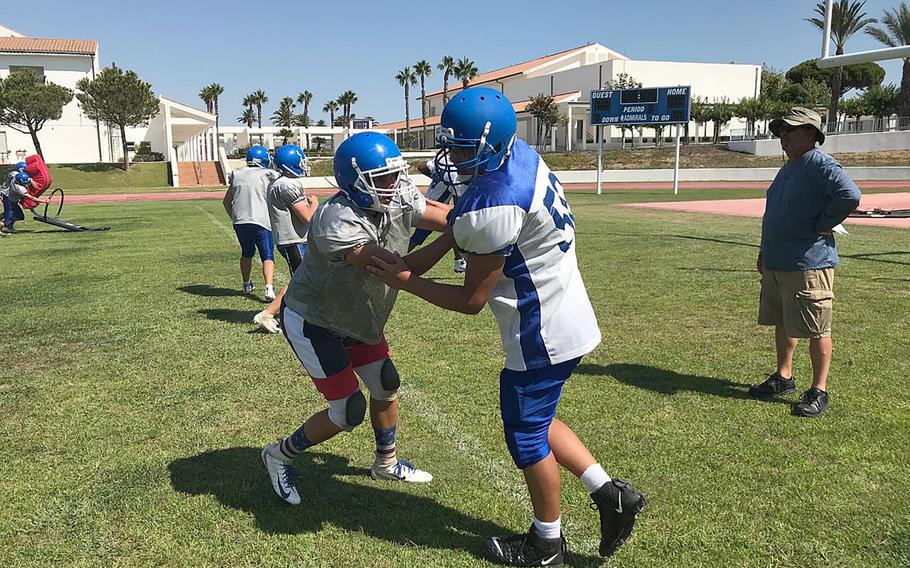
659 105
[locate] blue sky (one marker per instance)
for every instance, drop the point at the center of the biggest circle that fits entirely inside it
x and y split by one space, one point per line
328 47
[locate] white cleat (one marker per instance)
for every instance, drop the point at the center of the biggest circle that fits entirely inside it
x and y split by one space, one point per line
281 474
461 265
269 292
248 287
401 471
267 322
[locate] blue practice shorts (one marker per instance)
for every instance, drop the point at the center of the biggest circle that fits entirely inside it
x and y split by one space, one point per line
527 401
12 212
293 254
252 237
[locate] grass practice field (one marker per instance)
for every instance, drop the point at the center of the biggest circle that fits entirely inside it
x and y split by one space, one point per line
135 396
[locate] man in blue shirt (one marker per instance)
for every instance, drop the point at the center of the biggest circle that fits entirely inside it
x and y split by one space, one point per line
810 196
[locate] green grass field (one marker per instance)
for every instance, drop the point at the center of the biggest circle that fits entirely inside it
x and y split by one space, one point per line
135 396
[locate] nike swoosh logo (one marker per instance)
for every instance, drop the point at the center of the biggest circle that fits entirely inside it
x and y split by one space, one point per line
548 560
281 490
619 500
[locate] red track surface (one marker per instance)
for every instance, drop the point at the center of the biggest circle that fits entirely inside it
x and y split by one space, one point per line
191 195
756 207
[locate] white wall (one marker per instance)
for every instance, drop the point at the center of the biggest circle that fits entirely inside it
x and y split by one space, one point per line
837 144
73 138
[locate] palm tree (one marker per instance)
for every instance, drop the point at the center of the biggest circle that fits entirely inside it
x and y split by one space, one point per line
897 32
207 97
406 78
422 70
259 99
465 70
346 100
447 67
216 91
248 117
249 101
330 107
304 99
284 116
847 18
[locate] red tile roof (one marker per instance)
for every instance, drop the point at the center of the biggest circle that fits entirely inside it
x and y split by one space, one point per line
48 45
433 121
510 70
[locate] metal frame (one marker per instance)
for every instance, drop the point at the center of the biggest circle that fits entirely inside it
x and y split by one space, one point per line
828 60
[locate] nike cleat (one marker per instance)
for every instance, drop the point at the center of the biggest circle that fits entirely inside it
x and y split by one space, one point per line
281 473
618 503
529 549
401 471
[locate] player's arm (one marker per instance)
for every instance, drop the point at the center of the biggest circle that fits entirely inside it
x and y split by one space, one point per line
481 277
435 217
228 201
424 168
361 257
305 208
426 257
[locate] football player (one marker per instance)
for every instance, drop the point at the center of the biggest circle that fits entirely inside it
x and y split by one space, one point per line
443 187
12 192
334 311
245 203
515 224
290 210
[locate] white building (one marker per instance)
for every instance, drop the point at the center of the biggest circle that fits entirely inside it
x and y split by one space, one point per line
570 76
179 132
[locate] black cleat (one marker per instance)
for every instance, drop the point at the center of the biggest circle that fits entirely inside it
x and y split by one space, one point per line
812 404
618 503
775 385
529 549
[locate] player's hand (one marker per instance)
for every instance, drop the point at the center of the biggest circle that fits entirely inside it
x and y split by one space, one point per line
395 275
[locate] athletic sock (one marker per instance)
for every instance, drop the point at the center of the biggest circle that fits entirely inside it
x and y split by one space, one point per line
549 530
294 445
385 446
594 477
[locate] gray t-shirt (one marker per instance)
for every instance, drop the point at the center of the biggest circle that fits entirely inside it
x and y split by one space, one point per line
287 227
13 190
329 292
248 188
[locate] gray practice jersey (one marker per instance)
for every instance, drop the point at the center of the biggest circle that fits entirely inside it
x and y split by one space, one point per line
248 188
287 227
329 292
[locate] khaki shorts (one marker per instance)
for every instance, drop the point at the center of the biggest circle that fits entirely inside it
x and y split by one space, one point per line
801 301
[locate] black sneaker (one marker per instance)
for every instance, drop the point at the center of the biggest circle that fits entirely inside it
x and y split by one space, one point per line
774 386
812 404
618 503
529 549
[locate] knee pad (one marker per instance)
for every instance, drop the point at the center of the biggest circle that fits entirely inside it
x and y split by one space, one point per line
347 413
381 379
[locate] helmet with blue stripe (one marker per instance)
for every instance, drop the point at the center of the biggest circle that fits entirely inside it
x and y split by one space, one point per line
22 178
370 170
481 123
258 156
21 166
290 160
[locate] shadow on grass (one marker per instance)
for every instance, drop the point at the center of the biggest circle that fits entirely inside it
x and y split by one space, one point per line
228 315
209 291
669 382
236 478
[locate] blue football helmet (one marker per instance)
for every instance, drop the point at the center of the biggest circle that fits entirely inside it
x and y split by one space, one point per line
290 160
258 156
478 119
370 170
23 179
21 166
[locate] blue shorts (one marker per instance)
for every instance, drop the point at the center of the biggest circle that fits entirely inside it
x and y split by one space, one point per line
527 401
293 254
12 212
252 237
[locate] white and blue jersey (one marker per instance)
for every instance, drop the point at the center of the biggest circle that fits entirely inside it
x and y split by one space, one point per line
520 211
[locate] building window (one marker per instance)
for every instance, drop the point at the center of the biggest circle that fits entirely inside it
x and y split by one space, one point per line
579 129
35 68
432 110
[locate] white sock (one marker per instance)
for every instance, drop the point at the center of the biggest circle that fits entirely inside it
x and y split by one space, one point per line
548 530
594 477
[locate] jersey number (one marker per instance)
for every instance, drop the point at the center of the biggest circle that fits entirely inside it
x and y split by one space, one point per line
556 204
